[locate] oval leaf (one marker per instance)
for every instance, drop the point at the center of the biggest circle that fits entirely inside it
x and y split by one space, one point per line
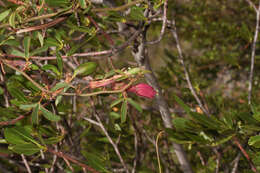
85 69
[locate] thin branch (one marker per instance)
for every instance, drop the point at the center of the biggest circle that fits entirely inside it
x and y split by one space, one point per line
86 54
110 139
92 121
62 155
187 76
11 122
141 56
26 164
253 55
26 76
120 8
163 24
43 26
252 5
253 168
236 160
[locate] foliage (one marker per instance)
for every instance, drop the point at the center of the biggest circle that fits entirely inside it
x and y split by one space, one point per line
69 86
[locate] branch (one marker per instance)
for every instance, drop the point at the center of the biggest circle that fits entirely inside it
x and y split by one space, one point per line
141 57
245 154
253 55
252 5
187 76
64 156
163 24
11 122
109 138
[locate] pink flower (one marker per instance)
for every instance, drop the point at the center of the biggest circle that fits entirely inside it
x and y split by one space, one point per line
143 90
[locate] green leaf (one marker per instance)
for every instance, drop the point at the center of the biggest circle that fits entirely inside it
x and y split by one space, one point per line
40 38
27 106
4 14
135 105
49 115
254 141
26 44
137 14
53 140
59 86
35 117
26 149
51 67
181 124
114 115
16 92
57 3
85 69
12 19
124 111
114 103
12 137
52 42
82 4
19 135
133 71
96 162
16 52
39 50
59 61
182 104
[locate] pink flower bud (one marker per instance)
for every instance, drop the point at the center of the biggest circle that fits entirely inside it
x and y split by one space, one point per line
143 90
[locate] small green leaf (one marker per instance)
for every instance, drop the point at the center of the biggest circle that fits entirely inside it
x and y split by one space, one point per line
123 111
27 106
16 92
59 86
26 44
39 50
4 14
12 19
19 135
116 102
133 71
35 117
51 67
26 149
254 141
17 52
59 61
135 105
12 137
114 115
95 161
85 69
137 14
40 38
49 115
182 104
82 4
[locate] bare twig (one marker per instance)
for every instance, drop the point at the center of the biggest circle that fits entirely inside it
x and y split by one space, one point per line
252 5
187 76
43 26
110 139
11 122
235 140
26 164
236 160
163 24
253 55
62 155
